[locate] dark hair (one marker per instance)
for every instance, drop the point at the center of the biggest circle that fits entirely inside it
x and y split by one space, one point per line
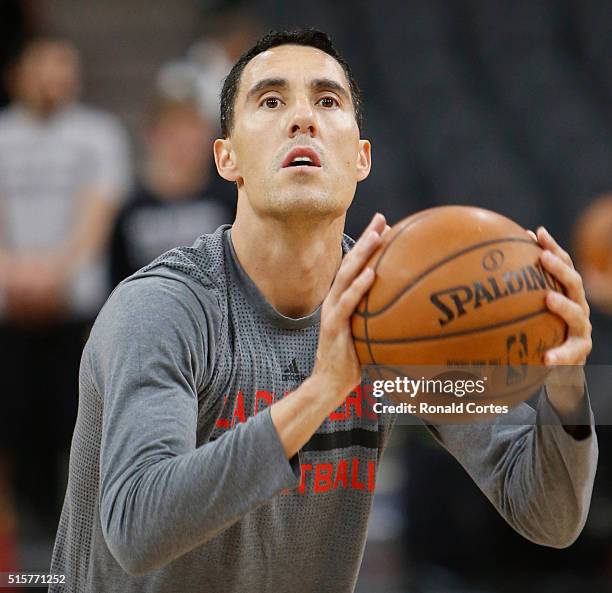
307 37
42 41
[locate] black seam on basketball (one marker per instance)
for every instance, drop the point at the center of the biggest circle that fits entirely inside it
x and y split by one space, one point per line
456 334
365 315
425 273
407 224
365 329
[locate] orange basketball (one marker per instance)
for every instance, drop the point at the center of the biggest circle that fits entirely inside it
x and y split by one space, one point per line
457 286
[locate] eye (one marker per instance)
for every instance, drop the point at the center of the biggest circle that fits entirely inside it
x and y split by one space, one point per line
271 102
329 102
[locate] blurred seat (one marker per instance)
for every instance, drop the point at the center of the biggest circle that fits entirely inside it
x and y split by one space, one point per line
453 137
505 27
556 119
593 23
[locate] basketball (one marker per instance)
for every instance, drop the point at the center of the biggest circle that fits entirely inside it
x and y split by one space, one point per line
460 286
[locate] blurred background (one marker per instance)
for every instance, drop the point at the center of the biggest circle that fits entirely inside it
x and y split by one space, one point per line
108 112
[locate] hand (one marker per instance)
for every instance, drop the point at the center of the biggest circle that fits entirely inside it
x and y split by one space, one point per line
573 308
565 385
34 288
336 362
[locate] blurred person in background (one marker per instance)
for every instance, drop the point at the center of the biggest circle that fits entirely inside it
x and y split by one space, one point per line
12 32
63 171
178 197
593 247
229 31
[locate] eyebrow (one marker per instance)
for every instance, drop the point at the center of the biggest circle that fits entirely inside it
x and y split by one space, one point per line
266 83
327 84
318 84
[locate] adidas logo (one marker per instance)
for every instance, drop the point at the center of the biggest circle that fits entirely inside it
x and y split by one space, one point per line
292 372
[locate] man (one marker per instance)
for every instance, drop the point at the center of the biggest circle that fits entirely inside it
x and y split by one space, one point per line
192 467
63 169
177 197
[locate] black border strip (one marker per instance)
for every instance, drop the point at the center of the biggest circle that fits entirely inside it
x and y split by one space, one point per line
342 439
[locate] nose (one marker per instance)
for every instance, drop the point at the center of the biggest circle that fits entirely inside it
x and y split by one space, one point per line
302 119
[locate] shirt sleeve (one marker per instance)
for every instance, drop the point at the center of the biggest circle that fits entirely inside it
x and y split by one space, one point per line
161 495
537 476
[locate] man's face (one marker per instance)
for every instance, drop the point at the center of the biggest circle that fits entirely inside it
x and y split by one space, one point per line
48 76
295 143
181 139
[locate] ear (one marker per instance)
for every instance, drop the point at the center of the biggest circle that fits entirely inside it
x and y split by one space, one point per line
225 159
364 159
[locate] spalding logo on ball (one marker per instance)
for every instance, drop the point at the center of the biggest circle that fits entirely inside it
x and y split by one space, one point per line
458 285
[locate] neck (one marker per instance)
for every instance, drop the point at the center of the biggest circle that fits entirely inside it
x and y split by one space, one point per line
41 109
292 263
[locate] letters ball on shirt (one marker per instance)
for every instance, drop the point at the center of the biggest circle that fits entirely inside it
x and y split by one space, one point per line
457 287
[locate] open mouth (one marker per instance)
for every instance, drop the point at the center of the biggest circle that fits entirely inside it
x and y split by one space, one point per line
301 161
302 157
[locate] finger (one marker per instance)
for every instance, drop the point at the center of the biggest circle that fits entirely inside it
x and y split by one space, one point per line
567 276
532 235
353 263
547 242
387 229
352 296
378 224
578 323
573 351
